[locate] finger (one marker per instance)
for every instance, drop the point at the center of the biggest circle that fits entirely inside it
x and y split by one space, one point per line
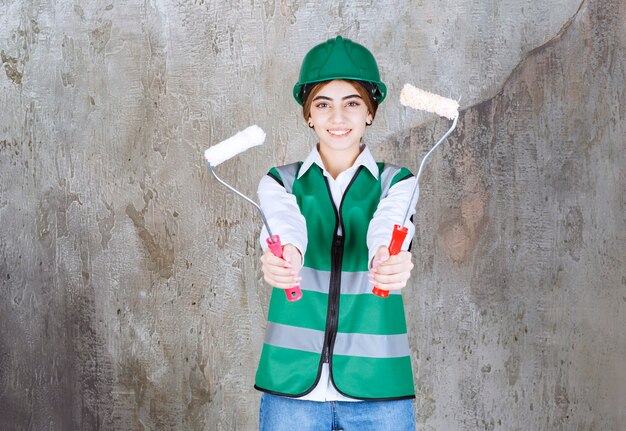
290 278
269 258
284 279
400 262
281 285
279 271
382 255
292 256
391 286
390 269
384 279
283 282
402 257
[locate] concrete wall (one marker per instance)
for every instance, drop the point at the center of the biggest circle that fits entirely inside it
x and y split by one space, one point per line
131 293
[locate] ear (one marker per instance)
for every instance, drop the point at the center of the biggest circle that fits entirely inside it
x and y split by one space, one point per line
370 118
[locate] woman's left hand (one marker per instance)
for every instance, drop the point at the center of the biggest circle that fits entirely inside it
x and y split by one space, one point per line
390 272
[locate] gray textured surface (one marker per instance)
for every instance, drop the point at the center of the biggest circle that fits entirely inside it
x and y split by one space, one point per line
131 293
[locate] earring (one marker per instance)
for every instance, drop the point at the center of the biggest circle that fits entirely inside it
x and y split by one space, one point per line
310 125
368 123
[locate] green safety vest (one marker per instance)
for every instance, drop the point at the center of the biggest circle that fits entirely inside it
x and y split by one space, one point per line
338 320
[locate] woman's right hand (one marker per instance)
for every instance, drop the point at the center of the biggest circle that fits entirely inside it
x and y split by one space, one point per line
282 273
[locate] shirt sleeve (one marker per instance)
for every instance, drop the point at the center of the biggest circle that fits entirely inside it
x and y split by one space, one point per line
390 211
283 215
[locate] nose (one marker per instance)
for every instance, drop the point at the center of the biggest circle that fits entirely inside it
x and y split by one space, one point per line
337 115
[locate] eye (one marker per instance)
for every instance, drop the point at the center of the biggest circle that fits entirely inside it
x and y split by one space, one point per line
353 103
321 105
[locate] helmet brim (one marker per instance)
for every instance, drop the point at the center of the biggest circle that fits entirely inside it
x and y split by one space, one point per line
378 97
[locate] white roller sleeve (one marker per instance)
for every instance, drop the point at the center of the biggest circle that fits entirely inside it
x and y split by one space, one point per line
247 138
425 101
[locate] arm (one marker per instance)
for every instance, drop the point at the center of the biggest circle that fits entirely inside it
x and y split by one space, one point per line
391 272
284 217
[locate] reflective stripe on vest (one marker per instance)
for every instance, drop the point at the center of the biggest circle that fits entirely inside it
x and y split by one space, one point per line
352 283
310 340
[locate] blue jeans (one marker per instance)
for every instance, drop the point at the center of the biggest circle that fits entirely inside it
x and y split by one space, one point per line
287 414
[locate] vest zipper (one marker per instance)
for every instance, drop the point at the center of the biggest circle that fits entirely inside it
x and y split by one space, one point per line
332 315
332 319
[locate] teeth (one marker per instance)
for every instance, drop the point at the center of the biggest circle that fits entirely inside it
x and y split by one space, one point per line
338 132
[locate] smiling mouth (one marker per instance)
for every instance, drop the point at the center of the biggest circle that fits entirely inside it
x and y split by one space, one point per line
339 132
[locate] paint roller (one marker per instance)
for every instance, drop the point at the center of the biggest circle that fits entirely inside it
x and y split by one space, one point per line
247 138
423 101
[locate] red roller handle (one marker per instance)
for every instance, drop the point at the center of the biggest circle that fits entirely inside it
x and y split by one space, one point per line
395 245
293 293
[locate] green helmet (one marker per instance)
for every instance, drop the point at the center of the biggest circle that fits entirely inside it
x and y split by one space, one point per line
340 58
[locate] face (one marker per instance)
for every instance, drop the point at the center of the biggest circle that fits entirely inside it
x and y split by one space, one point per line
339 115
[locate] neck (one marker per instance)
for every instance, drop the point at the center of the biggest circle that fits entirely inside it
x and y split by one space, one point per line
337 161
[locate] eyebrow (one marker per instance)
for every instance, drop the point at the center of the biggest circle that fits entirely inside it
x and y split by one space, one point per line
343 98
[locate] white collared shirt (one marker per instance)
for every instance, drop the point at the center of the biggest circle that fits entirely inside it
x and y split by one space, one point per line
285 219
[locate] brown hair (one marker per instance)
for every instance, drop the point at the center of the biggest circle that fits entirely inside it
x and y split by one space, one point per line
360 87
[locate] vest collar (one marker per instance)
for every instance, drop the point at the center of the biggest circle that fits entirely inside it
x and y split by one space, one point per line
365 158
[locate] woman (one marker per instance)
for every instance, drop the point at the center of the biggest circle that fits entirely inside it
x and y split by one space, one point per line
338 358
